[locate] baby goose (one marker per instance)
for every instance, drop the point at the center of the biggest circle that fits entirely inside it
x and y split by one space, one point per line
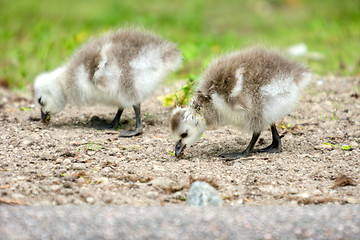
249 89
119 69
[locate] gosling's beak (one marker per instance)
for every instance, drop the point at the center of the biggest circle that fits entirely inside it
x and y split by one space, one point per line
45 117
178 148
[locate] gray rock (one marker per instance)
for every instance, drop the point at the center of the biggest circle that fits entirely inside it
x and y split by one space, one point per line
60 199
67 161
79 166
237 164
202 194
152 194
67 184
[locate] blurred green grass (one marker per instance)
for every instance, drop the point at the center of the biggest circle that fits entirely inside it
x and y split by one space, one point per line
39 35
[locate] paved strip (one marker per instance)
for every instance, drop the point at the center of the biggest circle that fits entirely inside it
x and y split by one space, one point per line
121 222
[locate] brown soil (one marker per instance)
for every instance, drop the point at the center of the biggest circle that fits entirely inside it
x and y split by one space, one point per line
68 161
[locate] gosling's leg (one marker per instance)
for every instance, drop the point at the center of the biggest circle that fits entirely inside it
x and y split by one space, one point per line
275 146
248 151
138 128
116 121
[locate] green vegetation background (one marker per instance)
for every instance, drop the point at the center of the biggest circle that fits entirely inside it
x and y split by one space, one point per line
39 35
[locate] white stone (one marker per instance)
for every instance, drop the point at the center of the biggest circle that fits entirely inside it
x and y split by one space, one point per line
152 194
55 188
202 194
21 178
90 200
237 164
67 161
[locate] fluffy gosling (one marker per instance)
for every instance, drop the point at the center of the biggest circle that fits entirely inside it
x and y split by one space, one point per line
249 89
119 69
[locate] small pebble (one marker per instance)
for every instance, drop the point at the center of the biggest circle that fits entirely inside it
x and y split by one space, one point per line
79 166
55 188
90 200
81 180
237 164
66 161
60 199
67 184
20 178
104 181
26 142
152 194
293 190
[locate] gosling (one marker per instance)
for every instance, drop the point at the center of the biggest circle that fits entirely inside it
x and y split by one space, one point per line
249 89
119 69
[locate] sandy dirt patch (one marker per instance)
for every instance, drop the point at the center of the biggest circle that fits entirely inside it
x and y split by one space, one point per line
69 162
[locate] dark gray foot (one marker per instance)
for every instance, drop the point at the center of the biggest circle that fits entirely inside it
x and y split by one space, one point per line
275 146
116 121
131 133
138 129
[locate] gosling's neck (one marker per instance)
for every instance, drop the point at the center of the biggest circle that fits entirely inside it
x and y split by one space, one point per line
204 107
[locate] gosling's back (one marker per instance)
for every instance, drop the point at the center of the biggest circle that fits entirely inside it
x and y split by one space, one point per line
251 88
121 68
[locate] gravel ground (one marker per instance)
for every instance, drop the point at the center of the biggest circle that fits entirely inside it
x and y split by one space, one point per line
70 162
119 222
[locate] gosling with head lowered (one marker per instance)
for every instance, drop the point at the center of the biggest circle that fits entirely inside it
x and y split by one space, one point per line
249 89
119 69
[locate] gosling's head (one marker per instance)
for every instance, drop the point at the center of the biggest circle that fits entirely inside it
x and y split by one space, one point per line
186 127
48 95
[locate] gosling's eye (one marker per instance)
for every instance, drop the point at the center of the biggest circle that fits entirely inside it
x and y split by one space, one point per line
184 135
40 102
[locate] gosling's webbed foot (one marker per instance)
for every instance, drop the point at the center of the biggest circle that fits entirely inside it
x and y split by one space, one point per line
138 129
273 148
131 133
